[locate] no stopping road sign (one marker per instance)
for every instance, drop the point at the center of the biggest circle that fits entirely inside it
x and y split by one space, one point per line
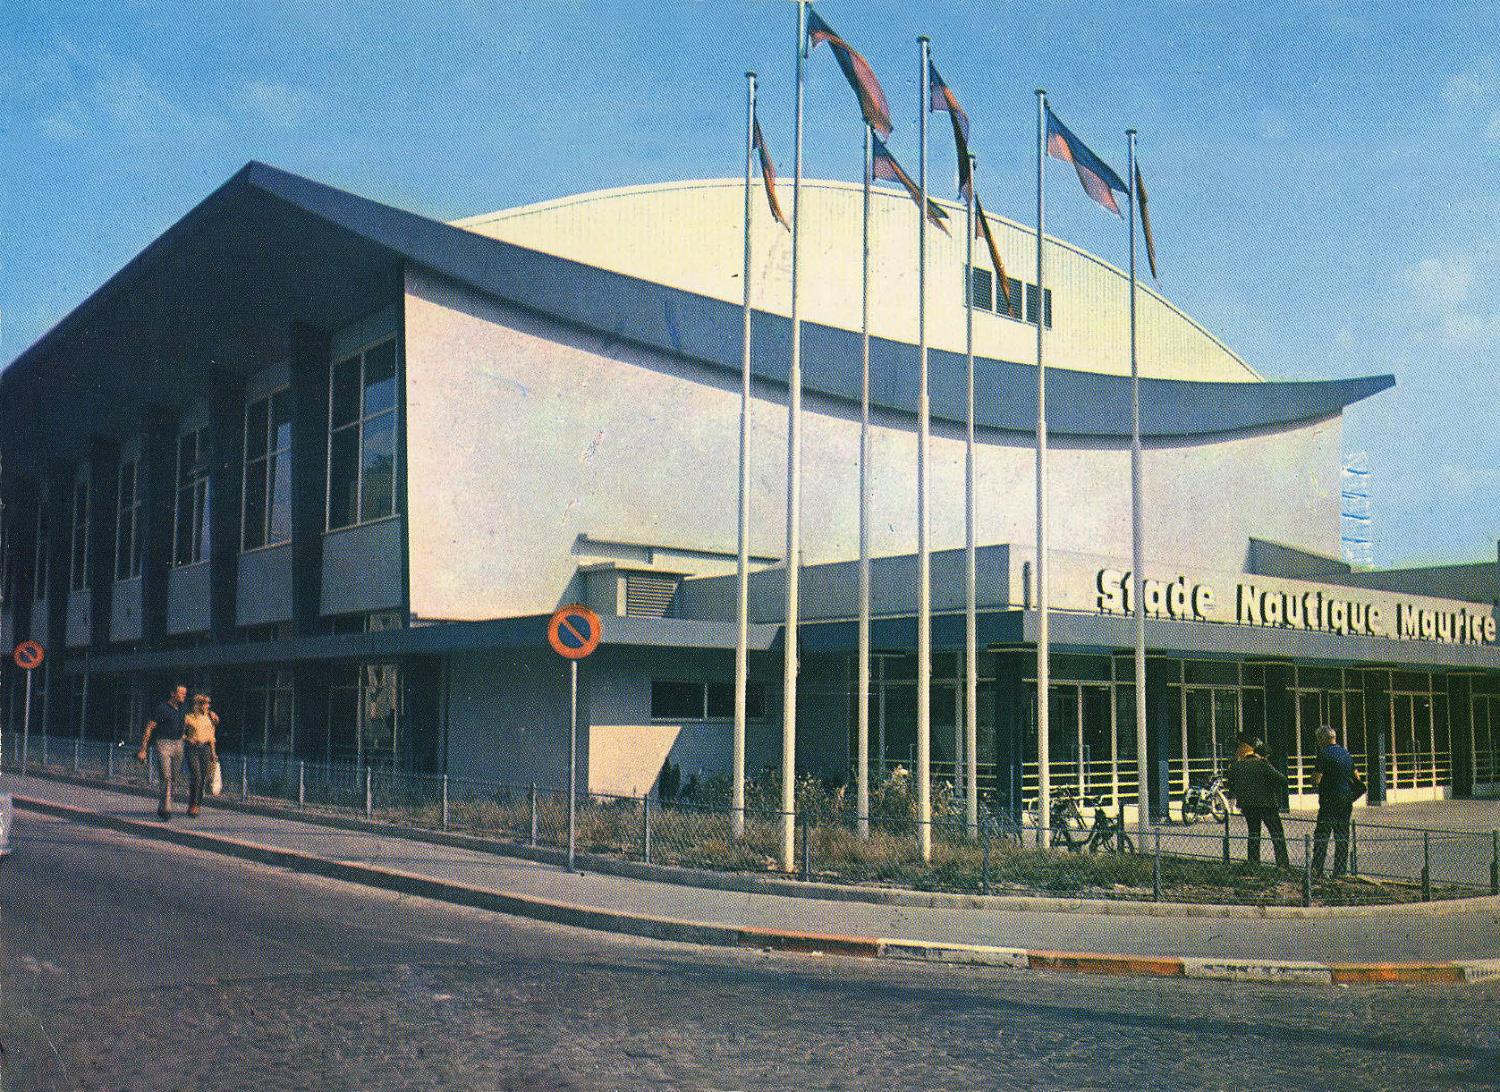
574 631
29 655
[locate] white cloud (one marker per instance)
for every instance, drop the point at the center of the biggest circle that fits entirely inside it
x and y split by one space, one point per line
90 94
1442 284
1475 88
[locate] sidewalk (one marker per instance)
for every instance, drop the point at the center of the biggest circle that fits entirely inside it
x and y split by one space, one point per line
1429 934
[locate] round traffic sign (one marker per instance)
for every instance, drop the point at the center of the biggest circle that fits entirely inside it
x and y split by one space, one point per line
574 631
29 655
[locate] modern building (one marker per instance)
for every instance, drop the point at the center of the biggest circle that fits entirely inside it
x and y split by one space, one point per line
337 462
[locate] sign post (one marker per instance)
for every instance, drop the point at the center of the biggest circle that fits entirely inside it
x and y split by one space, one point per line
573 633
28 656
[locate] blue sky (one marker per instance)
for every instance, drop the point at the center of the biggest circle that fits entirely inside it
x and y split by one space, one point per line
1325 177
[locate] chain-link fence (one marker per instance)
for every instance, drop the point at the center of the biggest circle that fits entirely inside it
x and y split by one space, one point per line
1077 855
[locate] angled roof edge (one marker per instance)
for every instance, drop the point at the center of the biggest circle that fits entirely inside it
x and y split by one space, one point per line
1083 404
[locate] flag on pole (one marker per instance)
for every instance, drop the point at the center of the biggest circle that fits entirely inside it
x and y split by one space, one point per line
1140 200
857 71
884 165
943 99
1099 181
768 175
982 228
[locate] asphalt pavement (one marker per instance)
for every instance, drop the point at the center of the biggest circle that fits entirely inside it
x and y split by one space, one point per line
133 964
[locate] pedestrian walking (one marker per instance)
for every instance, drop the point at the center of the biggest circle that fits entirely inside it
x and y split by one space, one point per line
200 730
1260 790
166 728
1335 780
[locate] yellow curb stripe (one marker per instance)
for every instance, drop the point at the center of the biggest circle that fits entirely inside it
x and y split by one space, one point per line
1361 973
1101 963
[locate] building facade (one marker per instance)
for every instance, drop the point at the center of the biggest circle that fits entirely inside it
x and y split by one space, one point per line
337 462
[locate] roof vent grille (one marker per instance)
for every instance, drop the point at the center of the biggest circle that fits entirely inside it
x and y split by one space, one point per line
649 595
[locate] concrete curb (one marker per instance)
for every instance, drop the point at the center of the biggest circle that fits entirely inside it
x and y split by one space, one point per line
746 883
784 940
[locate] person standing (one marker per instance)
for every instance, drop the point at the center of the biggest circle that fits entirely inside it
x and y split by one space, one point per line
167 728
1335 780
200 731
1260 789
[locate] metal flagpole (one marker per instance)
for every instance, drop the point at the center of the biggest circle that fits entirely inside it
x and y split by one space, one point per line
742 604
793 499
924 547
1043 678
971 578
1137 531
862 773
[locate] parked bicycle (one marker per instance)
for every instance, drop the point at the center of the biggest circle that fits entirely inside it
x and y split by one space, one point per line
1067 830
1205 799
1108 832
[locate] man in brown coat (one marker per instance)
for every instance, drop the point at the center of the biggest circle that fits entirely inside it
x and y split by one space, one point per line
1259 789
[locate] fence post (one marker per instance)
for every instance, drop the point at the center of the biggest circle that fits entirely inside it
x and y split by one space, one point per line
77 754
646 826
1353 848
369 796
1307 870
244 777
1426 867
532 796
1495 862
302 783
1226 837
109 774
1156 868
445 801
45 738
984 870
806 848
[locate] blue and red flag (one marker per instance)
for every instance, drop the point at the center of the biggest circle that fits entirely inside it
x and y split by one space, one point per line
857 71
1140 202
982 229
883 165
768 175
943 99
1099 181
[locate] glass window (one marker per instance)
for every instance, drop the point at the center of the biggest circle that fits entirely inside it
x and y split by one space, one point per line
128 521
268 471
362 439
676 700
190 539
79 570
1013 308
982 290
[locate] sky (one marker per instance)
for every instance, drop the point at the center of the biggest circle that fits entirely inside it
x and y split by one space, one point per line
1324 177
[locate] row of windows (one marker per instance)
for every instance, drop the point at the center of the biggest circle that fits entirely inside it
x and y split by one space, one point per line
361 475
675 700
984 295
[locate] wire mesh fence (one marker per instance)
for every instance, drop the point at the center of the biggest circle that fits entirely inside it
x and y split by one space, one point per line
1083 851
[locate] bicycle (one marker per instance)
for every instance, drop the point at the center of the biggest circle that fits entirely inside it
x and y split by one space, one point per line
1108 833
1067 830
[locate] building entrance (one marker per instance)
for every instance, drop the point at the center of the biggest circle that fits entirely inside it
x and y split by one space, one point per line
1485 723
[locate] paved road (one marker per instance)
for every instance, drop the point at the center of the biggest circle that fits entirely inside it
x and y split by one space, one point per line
131 964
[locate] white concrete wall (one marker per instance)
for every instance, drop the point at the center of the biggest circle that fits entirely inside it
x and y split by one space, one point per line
689 235
508 718
524 434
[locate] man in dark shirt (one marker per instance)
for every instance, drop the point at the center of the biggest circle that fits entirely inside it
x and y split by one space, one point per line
1259 789
167 728
1335 780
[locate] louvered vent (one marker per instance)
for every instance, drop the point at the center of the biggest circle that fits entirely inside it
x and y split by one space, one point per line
649 595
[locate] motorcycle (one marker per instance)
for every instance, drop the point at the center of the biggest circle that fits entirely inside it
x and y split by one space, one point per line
1204 800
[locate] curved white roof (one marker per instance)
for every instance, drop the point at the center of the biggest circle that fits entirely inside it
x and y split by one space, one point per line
688 235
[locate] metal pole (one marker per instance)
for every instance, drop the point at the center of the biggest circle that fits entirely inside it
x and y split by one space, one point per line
445 801
742 584
369 796
1226 837
533 815
573 764
83 719
793 497
26 722
302 783
806 848
646 826
971 571
1307 870
1353 848
1495 862
1043 677
109 767
244 778
862 713
1156 867
1426 867
924 472
1137 531
984 874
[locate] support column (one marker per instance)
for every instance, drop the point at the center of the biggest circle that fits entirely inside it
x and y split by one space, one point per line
310 362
